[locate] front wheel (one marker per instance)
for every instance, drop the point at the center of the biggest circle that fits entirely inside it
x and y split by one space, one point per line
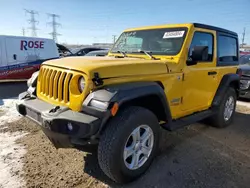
128 145
226 110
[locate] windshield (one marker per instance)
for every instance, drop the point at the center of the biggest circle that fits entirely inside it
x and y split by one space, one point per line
245 59
167 41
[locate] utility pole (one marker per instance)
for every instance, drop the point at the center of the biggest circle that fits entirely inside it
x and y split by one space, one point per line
23 30
243 37
114 38
54 25
32 21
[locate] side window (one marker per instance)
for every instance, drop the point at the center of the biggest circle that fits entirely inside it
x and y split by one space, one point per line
227 49
202 39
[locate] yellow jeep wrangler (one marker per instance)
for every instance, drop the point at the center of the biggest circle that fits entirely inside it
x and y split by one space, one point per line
165 76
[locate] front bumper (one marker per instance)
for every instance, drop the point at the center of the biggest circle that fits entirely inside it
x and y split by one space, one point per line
64 128
245 94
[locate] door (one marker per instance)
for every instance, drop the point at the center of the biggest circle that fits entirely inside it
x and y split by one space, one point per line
1 58
16 50
199 83
21 57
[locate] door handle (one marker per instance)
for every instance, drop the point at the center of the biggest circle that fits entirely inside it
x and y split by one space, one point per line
212 73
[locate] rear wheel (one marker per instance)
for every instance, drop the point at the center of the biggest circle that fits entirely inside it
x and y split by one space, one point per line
128 145
226 110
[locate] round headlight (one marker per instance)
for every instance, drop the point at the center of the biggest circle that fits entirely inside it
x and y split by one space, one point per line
29 82
81 84
33 79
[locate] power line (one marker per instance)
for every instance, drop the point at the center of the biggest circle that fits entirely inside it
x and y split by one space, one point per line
114 38
32 21
23 31
54 25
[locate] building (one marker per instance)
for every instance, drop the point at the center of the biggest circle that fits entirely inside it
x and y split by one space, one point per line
103 45
245 48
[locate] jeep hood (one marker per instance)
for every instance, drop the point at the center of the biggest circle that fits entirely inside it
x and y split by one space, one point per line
110 66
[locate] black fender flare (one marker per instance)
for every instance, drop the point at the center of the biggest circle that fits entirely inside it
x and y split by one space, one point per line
228 80
124 93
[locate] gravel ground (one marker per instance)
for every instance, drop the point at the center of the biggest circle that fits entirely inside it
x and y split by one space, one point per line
196 156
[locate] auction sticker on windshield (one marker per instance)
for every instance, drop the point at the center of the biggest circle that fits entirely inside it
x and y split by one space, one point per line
173 34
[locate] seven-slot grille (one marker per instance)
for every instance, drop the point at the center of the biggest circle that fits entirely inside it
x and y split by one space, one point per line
55 84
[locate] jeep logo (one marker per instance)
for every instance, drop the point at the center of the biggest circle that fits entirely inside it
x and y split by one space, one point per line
31 44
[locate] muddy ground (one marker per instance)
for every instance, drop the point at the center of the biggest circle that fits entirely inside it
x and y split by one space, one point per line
195 156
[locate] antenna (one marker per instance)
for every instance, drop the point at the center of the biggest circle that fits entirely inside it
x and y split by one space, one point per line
32 21
54 25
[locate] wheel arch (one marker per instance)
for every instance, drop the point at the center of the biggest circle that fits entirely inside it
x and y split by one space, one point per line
228 80
149 95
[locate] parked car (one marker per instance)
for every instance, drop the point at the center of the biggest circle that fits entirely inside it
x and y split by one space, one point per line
66 52
63 50
21 56
244 52
98 53
245 78
84 51
167 75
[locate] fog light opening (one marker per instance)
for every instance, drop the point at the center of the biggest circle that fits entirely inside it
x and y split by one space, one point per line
70 126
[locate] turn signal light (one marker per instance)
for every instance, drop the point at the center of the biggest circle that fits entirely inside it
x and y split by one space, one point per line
114 109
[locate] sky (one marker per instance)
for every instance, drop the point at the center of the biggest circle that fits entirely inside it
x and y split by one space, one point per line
91 21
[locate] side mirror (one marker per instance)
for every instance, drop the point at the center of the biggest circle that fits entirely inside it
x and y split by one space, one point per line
190 62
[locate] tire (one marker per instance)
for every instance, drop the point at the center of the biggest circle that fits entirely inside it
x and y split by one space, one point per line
218 120
117 136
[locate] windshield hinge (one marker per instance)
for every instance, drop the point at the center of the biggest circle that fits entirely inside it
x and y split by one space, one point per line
97 80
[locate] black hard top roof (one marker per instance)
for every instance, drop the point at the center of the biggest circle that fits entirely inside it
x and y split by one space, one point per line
204 26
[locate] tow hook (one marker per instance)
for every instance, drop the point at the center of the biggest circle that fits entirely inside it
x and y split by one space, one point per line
53 110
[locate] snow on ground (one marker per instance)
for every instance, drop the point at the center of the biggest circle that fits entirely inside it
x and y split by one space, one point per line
8 112
10 152
10 160
246 104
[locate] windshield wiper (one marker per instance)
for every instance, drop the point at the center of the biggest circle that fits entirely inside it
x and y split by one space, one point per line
122 53
148 54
